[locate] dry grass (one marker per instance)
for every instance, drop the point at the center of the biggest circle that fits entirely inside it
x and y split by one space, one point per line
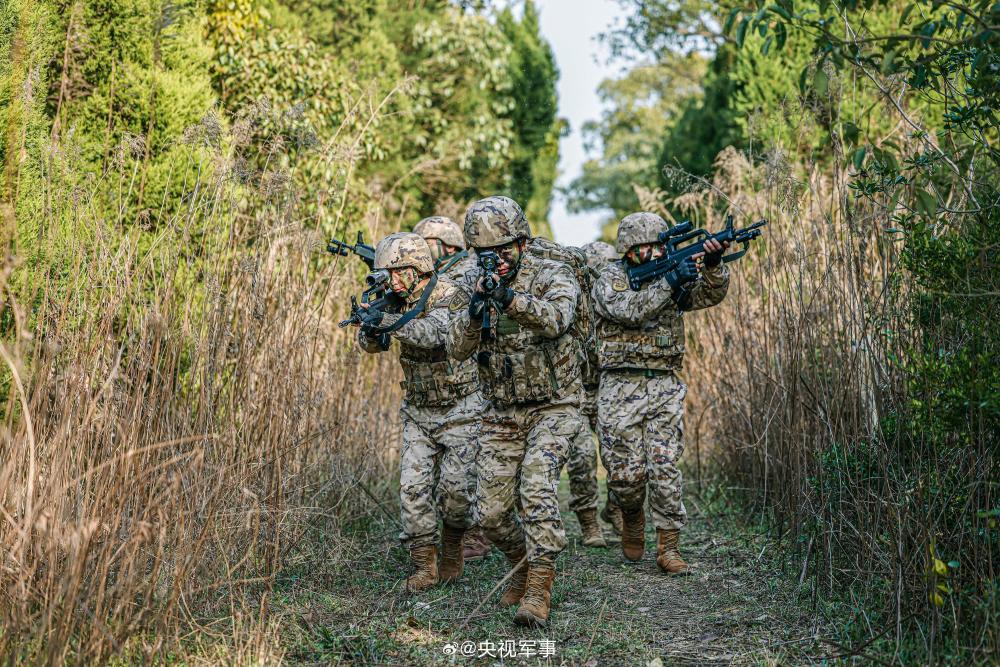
794 378
181 406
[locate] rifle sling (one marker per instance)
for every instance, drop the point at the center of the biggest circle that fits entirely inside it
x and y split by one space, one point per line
410 314
452 260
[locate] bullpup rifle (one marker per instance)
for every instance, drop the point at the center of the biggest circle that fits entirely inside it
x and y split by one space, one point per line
488 263
360 248
676 265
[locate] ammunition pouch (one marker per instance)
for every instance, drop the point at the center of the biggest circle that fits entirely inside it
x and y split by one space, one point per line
634 349
540 373
436 383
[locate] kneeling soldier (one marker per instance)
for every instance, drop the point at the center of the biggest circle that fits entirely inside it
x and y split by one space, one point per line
640 401
439 413
529 369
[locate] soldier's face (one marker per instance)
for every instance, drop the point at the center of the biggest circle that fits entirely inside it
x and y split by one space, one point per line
440 249
437 248
644 252
510 255
403 280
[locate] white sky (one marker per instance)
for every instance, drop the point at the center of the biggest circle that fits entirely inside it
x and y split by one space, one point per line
572 26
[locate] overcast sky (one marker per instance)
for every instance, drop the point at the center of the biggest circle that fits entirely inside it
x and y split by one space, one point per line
572 26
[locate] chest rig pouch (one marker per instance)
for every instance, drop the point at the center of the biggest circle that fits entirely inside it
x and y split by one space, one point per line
661 348
520 367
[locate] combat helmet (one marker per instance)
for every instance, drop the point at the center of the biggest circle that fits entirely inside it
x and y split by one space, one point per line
599 253
495 221
637 228
444 229
404 249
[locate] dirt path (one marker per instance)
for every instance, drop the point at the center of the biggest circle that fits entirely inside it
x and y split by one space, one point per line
347 606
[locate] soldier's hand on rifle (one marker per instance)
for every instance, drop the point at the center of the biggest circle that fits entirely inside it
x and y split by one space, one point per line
686 272
477 304
713 252
370 317
502 295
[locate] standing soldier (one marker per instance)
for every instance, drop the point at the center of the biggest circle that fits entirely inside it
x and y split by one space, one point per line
444 237
598 254
439 412
451 260
640 402
529 369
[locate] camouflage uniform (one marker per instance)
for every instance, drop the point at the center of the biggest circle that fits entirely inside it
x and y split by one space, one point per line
598 254
640 405
529 370
581 459
444 230
530 377
439 413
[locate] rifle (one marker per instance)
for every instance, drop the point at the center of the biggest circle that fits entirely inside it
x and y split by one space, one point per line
488 262
386 301
671 265
377 295
360 248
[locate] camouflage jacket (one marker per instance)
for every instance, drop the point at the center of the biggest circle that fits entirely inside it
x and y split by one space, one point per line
430 377
533 357
644 329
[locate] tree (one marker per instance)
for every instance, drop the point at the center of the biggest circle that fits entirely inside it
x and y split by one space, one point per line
641 107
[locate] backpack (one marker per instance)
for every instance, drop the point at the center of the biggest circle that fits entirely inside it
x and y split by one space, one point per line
584 327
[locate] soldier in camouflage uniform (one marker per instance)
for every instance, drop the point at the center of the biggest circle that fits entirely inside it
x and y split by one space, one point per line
529 369
444 237
598 254
451 259
640 401
439 413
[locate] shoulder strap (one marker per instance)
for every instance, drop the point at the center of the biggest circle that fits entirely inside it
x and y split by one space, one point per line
412 313
452 260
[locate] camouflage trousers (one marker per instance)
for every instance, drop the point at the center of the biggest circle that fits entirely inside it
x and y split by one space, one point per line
521 451
588 408
437 468
581 464
641 423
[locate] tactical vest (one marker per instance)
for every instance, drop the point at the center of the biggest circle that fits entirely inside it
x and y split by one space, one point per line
430 377
658 345
520 366
583 328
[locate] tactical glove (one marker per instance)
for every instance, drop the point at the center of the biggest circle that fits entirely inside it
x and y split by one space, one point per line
685 273
502 295
370 318
476 306
713 259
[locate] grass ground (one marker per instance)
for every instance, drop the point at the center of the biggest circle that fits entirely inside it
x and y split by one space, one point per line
347 605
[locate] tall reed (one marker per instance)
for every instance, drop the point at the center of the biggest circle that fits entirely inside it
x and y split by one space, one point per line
181 404
800 380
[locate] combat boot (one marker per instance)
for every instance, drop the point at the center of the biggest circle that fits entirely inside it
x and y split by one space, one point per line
518 580
475 546
425 558
633 533
452 562
537 600
668 553
592 536
612 514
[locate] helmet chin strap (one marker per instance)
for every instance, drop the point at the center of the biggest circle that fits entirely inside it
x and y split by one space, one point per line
408 291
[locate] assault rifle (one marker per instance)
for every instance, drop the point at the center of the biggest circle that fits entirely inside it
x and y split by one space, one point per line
380 297
488 262
360 248
676 264
377 296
